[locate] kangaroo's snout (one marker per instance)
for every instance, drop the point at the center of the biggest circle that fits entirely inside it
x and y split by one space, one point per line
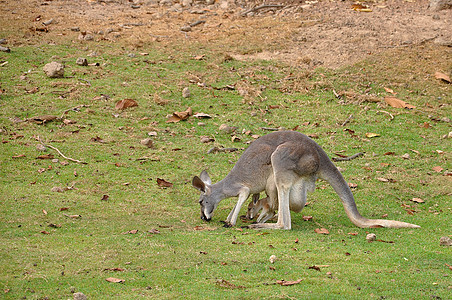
204 218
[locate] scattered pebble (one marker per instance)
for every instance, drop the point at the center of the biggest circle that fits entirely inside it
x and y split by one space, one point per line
227 129
147 142
207 139
186 92
371 237
445 241
5 49
54 70
272 259
80 296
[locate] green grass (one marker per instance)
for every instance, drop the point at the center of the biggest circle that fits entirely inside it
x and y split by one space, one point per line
181 262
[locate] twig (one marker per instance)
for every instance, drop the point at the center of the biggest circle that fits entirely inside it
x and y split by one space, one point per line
261 7
348 157
348 120
272 129
383 111
59 152
197 23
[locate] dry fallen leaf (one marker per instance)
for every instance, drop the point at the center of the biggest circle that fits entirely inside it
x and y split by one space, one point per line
163 183
417 200
307 218
371 134
322 231
202 116
226 284
397 103
352 185
42 119
442 76
114 280
287 283
45 156
437 169
134 231
391 91
154 231
180 116
72 216
125 103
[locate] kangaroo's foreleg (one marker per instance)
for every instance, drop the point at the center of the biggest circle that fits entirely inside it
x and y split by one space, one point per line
234 214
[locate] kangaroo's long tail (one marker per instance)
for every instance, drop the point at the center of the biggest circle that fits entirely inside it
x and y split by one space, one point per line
331 174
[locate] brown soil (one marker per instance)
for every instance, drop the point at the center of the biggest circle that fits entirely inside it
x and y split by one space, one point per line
311 33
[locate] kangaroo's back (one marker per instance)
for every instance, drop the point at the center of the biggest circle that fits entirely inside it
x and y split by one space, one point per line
254 166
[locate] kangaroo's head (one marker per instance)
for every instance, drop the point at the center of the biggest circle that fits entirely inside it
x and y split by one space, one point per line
253 208
207 200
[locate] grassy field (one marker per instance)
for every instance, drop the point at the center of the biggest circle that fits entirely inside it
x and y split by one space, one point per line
67 227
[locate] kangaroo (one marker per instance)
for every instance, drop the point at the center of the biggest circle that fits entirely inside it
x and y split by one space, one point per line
264 204
293 162
269 204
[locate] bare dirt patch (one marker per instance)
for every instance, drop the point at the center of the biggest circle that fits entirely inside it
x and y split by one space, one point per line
311 33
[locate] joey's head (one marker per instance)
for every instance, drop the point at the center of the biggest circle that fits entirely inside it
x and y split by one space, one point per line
207 200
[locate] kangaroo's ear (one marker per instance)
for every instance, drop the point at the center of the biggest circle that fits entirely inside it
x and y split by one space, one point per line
205 177
255 198
198 184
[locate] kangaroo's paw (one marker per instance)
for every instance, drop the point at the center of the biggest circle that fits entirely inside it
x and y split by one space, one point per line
226 224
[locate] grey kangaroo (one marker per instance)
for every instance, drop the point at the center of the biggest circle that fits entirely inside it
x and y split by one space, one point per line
286 165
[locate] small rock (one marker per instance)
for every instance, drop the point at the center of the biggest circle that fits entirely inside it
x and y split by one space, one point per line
3 41
207 139
5 49
406 156
187 2
371 237
75 29
41 147
81 61
57 189
54 70
48 22
80 296
272 259
227 129
437 5
147 142
445 241
186 92
186 28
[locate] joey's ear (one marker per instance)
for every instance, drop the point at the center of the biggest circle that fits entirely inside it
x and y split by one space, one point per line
255 198
198 184
205 177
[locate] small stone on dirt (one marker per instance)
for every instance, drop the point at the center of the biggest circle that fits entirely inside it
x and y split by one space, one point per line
54 70
437 5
